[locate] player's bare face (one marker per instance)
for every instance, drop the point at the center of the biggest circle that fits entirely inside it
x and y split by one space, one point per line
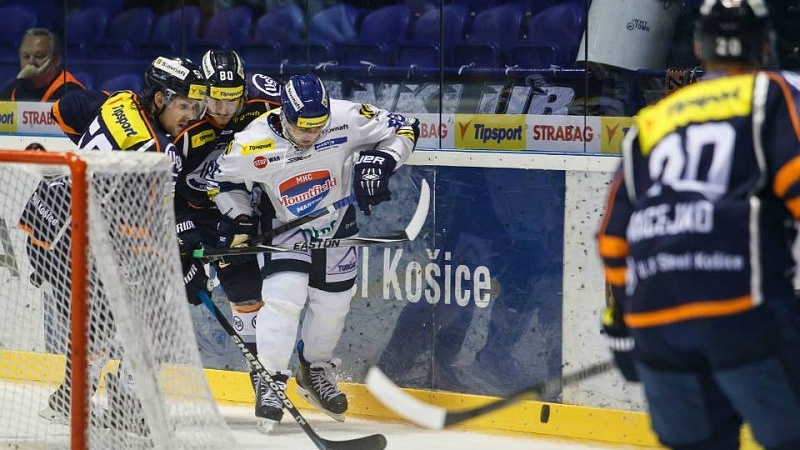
302 137
178 112
223 111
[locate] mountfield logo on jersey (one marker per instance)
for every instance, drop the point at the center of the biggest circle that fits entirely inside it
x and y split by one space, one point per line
489 131
301 193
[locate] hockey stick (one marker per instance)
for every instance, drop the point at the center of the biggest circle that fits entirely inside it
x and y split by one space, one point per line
260 239
408 234
372 442
436 417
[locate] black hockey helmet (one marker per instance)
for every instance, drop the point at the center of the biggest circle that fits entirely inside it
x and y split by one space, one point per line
174 76
735 30
224 74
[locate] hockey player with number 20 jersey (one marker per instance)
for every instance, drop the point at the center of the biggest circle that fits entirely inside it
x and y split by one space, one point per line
303 157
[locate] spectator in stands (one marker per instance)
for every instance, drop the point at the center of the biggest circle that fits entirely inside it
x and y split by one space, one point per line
41 77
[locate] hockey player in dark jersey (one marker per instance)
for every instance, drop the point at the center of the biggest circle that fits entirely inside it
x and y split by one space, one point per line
697 244
174 94
233 102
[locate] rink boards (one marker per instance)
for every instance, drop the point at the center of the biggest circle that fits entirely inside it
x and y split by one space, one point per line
510 234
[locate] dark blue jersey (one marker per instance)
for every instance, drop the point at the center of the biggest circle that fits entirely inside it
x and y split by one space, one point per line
700 219
201 142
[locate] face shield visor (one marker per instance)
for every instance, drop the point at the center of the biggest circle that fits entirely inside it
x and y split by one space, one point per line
193 107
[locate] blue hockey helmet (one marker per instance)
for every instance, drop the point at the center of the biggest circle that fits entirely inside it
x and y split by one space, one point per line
305 101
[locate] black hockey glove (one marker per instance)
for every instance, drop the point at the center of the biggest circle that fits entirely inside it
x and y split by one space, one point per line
194 274
372 171
235 234
619 341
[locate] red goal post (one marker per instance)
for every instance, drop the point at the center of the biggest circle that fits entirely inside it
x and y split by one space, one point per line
113 263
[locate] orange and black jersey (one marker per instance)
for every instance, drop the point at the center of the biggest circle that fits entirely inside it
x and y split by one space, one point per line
46 215
75 110
700 215
201 142
23 90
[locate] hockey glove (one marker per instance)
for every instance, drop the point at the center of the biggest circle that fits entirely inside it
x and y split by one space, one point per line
194 274
235 234
619 342
372 171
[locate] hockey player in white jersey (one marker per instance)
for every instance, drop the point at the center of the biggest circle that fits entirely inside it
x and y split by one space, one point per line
303 157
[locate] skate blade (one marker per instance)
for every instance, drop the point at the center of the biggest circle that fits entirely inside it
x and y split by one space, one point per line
266 426
54 416
313 401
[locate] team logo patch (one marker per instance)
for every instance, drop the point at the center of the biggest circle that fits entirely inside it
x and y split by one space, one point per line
303 192
265 84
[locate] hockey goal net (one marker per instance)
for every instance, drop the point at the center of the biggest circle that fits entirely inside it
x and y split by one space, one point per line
97 348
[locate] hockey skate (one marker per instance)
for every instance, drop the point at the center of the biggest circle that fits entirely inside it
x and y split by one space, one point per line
316 383
269 407
57 410
124 409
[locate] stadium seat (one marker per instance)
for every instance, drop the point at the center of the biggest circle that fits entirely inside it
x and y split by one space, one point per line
48 13
335 24
475 7
86 25
492 31
532 7
133 25
378 36
112 7
12 30
261 57
177 26
84 77
559 26
229 28
9 55
125 81
149 51
425 38
310 52
280 25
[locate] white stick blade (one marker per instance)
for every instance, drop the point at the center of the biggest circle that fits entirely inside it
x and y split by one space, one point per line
402 403
418 220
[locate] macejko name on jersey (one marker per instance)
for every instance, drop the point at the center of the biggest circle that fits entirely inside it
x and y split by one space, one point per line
661 220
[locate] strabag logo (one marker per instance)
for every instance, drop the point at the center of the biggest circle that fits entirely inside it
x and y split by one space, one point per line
489 131
302 193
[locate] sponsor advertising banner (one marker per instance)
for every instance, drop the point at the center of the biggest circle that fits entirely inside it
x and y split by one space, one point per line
473 305
490 131
8 117
613 130
563 133
27 118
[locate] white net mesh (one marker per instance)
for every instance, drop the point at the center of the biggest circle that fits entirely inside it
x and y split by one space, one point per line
146 381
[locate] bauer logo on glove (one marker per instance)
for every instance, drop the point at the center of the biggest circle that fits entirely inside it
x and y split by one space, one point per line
372 171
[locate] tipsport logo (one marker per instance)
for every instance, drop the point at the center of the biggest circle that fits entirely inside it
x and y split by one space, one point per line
489 131
302 193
